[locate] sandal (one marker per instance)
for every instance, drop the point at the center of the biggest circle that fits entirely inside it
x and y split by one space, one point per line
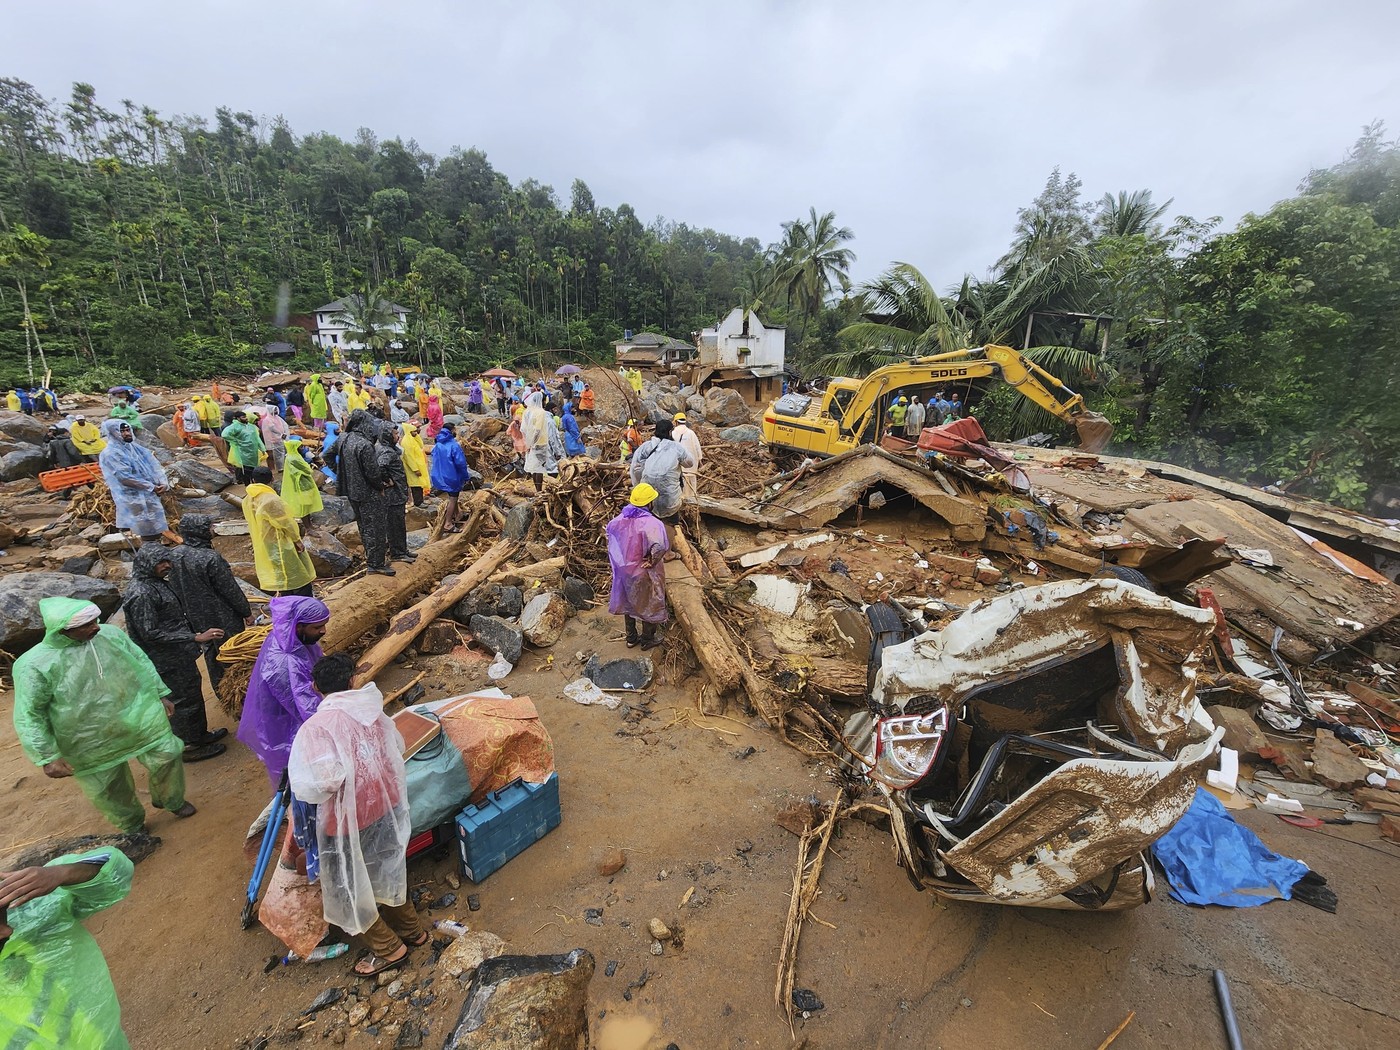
632 643
378 965
423 938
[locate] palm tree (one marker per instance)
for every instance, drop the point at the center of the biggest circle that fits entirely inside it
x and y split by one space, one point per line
812 263
370 320
1129 214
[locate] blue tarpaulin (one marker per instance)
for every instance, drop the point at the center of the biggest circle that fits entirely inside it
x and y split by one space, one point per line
1209 859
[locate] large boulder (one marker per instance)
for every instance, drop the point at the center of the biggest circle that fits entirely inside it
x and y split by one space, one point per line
695 406
543 618
490 599
150 401
726 408
169 436
335 510
25 462
21 626
526 1002
19 427
154 420
213 506
194 474
497 636
330 557
740 435
670 403
518 521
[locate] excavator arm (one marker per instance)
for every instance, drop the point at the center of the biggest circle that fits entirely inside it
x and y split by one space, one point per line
1025 376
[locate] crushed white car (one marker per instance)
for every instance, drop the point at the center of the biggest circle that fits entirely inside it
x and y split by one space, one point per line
1036 746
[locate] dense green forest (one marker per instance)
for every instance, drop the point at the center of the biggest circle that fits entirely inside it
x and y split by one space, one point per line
139 247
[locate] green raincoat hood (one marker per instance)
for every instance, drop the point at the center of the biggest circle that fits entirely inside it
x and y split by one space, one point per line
56 613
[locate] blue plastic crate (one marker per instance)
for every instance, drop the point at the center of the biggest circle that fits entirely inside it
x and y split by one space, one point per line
504 824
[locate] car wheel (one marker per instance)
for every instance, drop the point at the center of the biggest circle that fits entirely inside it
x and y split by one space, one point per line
1119 572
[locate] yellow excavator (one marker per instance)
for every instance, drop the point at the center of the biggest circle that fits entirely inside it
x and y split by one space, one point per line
851 412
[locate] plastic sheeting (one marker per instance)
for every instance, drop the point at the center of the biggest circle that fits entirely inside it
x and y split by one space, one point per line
348 761
1210 859
55 990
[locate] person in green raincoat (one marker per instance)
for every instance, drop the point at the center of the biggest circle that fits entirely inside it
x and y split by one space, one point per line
299 491
316 402
55 989
245 446
127 411
88 701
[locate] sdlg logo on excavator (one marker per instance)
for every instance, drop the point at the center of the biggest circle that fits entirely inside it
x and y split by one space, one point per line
947 373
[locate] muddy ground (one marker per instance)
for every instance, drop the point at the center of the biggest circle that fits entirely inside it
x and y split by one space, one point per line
677 794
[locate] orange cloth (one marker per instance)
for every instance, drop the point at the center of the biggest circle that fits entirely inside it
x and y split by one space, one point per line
500 740
585 400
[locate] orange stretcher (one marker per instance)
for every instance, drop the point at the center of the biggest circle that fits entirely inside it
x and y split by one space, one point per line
68 477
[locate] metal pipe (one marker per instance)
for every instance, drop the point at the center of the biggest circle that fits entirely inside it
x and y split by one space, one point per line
1227 1011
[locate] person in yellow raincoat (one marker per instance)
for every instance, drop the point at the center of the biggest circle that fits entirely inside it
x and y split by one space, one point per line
55 988
415 462
12 401
420 393
282 564
356 396
210 414
87 437
299 491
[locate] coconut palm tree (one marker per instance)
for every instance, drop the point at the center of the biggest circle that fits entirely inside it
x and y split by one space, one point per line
1129 214
370 321
812 263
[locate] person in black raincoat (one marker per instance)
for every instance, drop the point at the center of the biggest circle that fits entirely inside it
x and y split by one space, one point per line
360 479
156 622
59 448
207 588
396 495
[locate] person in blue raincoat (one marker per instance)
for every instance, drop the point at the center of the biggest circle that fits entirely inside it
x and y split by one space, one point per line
573 441
55 989
135 479
637 546
449 473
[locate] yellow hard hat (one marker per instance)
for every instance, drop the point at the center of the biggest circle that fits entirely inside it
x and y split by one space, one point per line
679 417
642 495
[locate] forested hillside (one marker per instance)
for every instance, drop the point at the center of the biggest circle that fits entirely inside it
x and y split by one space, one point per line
139 246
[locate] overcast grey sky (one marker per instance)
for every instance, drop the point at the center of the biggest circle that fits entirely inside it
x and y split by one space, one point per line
924 126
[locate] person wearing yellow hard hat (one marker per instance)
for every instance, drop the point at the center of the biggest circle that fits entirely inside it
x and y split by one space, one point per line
690 441
637 546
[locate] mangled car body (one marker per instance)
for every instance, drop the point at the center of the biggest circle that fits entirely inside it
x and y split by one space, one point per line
1036 746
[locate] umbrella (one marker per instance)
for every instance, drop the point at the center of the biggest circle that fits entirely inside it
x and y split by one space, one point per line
503 373
568 370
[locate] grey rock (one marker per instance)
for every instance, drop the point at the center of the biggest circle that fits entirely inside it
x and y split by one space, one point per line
152 420
193 474
726 408
518 521
330 557
21 626
497 636
410 1035
335 510
578 592
695 405
153 402
490 599
22 428
417 540
24 462
454 418
543 618
212 506
669 404
741 435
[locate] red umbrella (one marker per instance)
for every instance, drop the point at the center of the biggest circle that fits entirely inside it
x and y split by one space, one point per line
502 373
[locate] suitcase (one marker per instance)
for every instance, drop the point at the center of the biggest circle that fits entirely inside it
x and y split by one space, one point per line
503 824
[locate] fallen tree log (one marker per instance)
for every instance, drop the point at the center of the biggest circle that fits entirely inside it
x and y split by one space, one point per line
711 645
409 623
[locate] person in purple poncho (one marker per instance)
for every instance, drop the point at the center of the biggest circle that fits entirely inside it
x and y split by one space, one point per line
637 546
281 695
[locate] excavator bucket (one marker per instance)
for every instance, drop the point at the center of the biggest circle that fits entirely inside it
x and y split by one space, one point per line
1095 432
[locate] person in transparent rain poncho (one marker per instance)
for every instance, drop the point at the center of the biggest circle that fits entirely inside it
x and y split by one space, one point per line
637 546
135 480
347 761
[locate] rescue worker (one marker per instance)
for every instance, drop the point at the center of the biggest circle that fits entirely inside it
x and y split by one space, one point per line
415 462
87 702
914 419
637 546
659 463
586 402
360 480
450 474
245 446
690 441
208 590
316 404
542 441
395 494
55 988
898 412
299 491
156 621
280 559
